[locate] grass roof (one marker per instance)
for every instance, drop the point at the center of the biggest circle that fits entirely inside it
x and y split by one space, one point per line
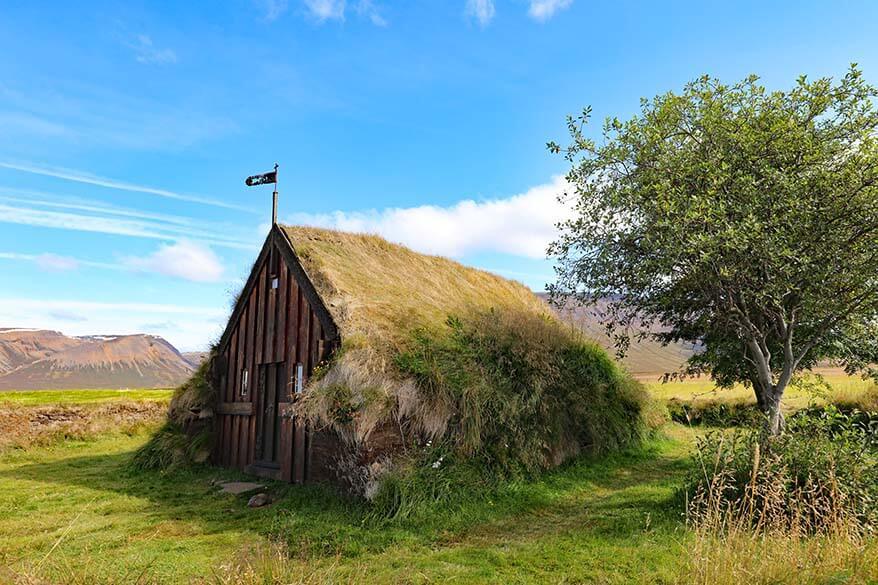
439 362
381 290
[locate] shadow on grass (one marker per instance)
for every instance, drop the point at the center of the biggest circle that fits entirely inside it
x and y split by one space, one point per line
615 497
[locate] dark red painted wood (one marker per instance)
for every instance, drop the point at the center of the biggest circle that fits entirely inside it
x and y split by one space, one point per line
260 319
278 327
281 314
251 365
271 313
292 321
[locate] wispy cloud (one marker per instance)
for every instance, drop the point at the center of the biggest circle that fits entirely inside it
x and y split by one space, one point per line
112 221
193 326
272 9
482 11
43 199
184 259
90 179
56 263
68 316
145 51
368 9
28 123
543 10
322 10
86 306
522 225
83 114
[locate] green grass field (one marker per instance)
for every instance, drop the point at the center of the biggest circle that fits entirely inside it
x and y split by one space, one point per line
74 397
73 511
843 387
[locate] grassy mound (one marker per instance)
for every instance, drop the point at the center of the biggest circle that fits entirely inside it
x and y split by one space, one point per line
459 366
445 372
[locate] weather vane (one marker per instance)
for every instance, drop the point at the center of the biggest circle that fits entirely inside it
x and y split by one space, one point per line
264 179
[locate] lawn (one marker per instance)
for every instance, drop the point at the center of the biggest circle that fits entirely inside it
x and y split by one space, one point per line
844 387
74 511
76 397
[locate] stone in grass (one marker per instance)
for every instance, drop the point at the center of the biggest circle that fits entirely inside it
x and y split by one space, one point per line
259 500
239 487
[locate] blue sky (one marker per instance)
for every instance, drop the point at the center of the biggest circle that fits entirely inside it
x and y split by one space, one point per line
126 130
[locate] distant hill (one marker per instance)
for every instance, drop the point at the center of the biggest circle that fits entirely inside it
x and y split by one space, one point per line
40 359
19 347
196 358
645 359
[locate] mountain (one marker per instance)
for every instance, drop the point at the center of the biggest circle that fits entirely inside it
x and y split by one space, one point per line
40 359
645 358
196 358
19 347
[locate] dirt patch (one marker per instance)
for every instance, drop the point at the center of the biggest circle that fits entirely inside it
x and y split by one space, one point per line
23 426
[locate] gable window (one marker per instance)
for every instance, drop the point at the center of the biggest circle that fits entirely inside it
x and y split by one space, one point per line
244 382
298 384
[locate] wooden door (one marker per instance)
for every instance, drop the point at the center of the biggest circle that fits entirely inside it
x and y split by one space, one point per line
293 436
270 451
281 437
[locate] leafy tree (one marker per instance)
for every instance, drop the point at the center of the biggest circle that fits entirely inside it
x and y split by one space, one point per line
736 218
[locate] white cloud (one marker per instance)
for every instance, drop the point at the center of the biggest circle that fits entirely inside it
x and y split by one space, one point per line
106 221
193 327
183 259
323 10
54 262
273 8
367 8
146 52
543 10
482 10
67 316
28 123
522 225
90 179
9 304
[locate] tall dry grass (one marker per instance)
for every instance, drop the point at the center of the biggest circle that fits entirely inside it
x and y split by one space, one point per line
799 509
27 426
378 292
265 564
742 556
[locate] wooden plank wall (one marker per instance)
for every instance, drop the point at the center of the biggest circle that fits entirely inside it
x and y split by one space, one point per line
276 325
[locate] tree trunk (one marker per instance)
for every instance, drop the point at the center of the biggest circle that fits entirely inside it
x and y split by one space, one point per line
774 422
761 400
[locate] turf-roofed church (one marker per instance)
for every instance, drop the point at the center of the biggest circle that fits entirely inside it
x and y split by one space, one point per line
279 331
351 359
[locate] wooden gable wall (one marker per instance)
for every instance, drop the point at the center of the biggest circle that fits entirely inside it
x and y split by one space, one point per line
275 327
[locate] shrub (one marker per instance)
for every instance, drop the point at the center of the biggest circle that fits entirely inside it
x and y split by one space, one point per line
513 392
519 390
820 476
715 413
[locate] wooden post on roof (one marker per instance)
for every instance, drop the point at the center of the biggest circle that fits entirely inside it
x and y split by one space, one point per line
264 179
274 199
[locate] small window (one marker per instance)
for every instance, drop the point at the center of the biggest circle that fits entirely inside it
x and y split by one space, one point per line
244 382
299 378
275 282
